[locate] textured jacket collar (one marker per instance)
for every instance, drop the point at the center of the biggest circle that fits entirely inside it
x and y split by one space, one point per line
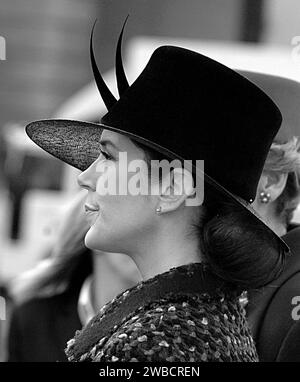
192 279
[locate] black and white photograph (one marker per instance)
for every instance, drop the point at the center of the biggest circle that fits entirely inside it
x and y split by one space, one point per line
149 185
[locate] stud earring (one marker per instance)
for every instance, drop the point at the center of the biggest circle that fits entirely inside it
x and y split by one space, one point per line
158 210
264 197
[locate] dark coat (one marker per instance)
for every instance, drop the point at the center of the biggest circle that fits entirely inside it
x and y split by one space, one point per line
274 327
41 327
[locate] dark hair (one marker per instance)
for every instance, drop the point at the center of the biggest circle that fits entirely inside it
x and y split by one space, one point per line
235 244
239 248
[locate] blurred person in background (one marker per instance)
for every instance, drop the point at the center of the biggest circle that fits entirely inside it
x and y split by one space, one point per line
61 294
279 189
278 193
272 310
46 297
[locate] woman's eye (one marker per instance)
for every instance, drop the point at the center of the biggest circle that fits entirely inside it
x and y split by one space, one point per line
106 155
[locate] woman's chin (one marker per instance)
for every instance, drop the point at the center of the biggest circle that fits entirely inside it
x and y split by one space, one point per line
91 239
94 242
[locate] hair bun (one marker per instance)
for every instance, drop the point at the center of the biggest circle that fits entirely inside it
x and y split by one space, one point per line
240 249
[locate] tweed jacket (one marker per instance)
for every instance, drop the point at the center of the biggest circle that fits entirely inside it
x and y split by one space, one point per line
185 314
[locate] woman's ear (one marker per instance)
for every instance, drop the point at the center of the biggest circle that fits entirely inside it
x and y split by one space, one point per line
176 188
274 183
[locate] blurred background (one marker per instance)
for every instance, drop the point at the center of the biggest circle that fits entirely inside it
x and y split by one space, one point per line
46 73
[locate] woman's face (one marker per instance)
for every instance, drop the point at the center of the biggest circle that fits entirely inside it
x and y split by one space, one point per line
118 222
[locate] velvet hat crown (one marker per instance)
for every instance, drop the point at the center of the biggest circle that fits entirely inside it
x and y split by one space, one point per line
185 105
285 92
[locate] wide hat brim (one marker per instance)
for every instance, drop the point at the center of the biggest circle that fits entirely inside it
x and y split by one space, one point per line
77 143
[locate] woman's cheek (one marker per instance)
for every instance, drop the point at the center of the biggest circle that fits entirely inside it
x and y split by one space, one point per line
107 182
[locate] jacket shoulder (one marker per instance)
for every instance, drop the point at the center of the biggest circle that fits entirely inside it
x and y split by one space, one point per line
147 336
168 330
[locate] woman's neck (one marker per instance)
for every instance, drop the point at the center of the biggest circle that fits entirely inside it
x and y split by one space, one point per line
113 274
170 249
278 227
270 216
276 222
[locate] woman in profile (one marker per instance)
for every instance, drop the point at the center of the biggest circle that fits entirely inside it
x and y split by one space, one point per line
197 248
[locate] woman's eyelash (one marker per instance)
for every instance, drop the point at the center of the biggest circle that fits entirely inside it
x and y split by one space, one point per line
106 155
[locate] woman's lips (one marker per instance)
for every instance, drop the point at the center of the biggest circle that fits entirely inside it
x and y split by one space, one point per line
92 213
90 208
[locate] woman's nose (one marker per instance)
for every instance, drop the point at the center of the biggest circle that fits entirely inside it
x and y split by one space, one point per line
87 179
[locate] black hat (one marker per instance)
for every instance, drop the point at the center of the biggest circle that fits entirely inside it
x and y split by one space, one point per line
185 105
